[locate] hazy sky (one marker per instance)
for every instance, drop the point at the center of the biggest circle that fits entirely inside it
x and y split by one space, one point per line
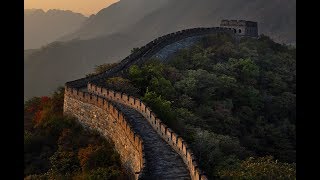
86 7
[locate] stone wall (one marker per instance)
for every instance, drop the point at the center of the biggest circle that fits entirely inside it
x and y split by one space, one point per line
148 51
176 142
94 110
242 27
99 114
165 53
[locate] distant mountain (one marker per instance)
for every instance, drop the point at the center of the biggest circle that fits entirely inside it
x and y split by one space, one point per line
118 16
109 35
41 28
276 18
60 62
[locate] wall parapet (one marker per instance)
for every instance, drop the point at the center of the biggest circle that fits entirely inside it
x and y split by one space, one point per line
110 108
148 51
173 139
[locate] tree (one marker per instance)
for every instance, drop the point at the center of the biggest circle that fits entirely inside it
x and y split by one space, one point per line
198 84
214 149
185 101
102 68
162 87
43 110
274 83
248 96
109 173
57 100
225 86
260 168
84 155
32 105
141 77
134 50
136 75
64 162
247 71
122 85
161 107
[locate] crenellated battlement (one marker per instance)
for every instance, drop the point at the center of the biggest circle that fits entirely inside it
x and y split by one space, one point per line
149 50
242 27
173 139
118 119
97 108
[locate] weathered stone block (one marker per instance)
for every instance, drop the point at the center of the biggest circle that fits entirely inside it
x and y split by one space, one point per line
101 120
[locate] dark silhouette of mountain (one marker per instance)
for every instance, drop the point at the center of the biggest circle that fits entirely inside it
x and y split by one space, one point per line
276 18
41 28
59 62
109 35
118 16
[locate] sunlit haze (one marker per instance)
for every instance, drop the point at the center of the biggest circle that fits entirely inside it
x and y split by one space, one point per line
86 7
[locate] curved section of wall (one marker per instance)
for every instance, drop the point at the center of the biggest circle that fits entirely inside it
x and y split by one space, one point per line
166 52
176 142
101 115
98 113
148 51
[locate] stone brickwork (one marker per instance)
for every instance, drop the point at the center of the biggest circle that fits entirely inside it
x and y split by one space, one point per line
162 161
165 53
148 51
242 27
122 118
176 142
101 115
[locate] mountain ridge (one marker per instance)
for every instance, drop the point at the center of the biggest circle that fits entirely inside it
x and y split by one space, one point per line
275 18
111 19
43 27
79 54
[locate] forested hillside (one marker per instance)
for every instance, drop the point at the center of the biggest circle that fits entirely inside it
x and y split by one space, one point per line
109 35
57 147
233 102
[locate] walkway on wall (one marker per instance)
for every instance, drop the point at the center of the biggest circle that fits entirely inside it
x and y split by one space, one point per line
162 161
149 50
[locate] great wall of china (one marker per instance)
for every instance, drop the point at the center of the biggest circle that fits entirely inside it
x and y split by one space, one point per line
148 148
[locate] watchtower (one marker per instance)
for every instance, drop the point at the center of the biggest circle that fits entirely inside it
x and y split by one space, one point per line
242 27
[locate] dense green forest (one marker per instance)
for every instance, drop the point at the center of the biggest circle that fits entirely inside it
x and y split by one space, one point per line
57 147
233 101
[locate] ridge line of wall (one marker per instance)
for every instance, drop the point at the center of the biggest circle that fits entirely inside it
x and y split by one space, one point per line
174 140
148 50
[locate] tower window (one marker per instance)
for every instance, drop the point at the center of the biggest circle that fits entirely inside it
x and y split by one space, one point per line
239 31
